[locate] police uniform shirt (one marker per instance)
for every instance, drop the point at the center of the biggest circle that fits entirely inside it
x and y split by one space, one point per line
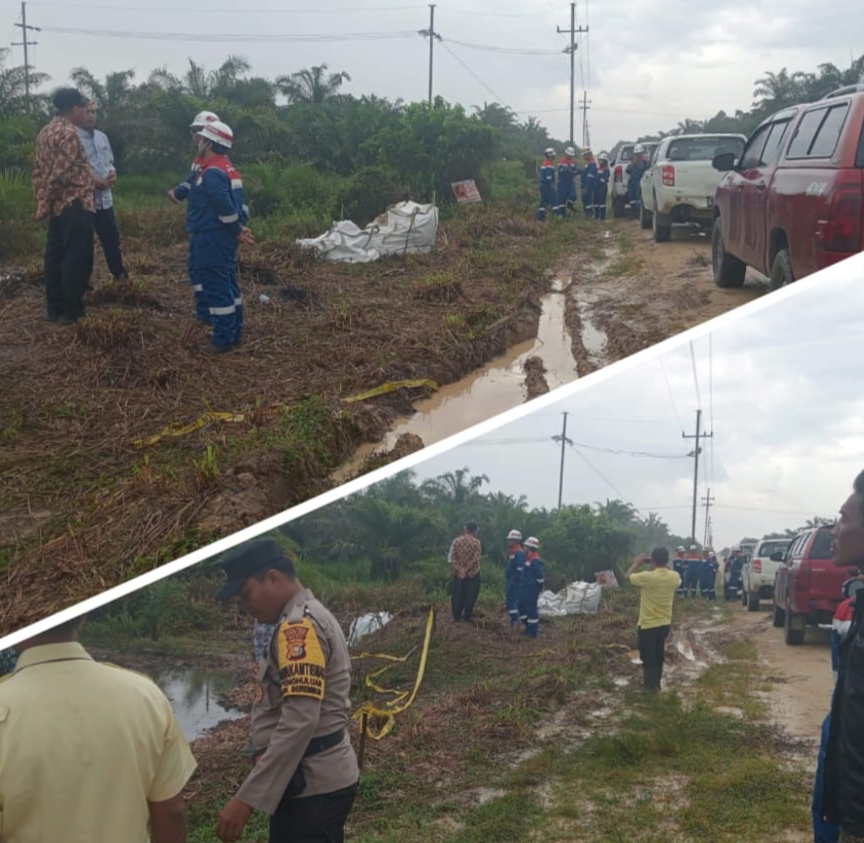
303 693
84 747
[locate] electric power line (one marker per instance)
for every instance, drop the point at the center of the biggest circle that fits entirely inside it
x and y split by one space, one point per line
498 98
599 473
671 395
257 37
695 377
524 51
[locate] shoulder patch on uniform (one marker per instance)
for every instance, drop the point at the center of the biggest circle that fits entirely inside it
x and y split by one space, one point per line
301 660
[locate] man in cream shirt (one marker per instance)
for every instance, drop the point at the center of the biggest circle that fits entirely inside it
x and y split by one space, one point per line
658 587
89 752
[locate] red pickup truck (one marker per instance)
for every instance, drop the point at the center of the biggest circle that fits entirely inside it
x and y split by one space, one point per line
807 586
794 202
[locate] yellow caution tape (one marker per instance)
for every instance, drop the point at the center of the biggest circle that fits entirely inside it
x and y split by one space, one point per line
392 386
403 699
175 430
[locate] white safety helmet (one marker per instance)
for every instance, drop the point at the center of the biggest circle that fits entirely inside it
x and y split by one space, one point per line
549 151
514 536
202 118
736 547
531 542
218 132
603 156
680 548
638 148
570 151
693 547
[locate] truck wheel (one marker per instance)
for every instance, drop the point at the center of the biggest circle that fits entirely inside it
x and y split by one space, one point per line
729 271
793 625
661 225
778 619
618 205
781 270
752 601
645 217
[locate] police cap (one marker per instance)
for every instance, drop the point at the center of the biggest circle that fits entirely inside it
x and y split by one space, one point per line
251 558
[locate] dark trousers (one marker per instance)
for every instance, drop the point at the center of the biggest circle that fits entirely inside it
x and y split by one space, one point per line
463 596
106 227
313 819
68 261
652 643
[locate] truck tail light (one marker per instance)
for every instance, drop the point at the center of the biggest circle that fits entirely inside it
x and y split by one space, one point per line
618 174
668 173
757 566
802 578
841 231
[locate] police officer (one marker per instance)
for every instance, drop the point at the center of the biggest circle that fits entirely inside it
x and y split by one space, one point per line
547 184
708 575
588 179
679 564
305 773
513 574
178 194
217 222
566 182
531 584
601 186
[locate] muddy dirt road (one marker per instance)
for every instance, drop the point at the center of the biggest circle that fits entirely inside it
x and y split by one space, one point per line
635 293
801 676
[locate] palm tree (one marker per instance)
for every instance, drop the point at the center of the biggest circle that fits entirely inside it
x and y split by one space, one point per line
115 91
620 511
311 85
778 90
13 98
457 487
497 115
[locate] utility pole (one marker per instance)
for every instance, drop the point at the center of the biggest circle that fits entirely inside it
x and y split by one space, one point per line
25 44
573 32
707 501
699 435
431 34
585 105
564 441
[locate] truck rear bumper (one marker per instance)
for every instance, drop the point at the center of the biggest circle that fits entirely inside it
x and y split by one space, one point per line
825 259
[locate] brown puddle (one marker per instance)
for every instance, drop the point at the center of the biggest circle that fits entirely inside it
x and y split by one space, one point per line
489 391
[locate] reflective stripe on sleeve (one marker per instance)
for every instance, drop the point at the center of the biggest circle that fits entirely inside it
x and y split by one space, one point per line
236 184
222 311
230 218
198 288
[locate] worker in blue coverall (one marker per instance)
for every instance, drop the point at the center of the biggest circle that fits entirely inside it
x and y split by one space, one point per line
588 179
547 184
736 563
708 575
601 186
513 574
530 585
679 564
217 222
692 571
566 183
178 194
635 170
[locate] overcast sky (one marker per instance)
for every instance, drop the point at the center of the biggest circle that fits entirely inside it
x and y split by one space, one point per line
787 389
646 65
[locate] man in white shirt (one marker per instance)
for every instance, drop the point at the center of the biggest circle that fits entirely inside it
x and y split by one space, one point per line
101 158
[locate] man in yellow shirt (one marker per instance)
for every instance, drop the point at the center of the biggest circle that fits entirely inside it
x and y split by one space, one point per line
88 751
658 587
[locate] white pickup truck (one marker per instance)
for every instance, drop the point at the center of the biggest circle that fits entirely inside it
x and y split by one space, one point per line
680 182
757 575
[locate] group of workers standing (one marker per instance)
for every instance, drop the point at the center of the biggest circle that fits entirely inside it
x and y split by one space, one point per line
73 177
558 184
698 572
